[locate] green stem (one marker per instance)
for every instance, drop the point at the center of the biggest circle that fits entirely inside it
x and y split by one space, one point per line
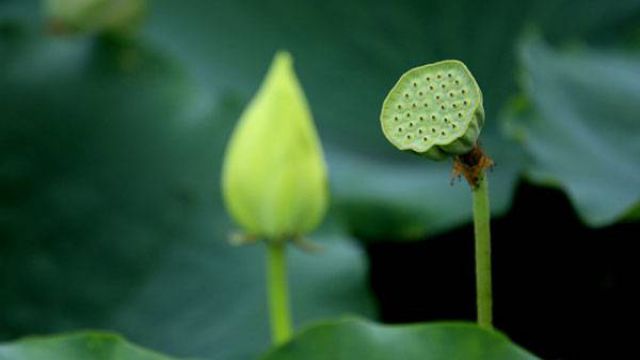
481 219
278 292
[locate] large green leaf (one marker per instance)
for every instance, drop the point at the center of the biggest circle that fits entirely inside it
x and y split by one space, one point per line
111 215
356 339
78 346
348 56
581 126
347 69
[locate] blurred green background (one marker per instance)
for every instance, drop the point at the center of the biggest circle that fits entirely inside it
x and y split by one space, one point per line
110 151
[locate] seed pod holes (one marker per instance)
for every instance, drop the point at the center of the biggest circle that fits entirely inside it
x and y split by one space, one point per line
449 95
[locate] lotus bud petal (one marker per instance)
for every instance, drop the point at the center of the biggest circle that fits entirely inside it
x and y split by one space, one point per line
274 177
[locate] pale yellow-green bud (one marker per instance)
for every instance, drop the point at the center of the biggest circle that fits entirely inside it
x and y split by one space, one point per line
274 177
82 16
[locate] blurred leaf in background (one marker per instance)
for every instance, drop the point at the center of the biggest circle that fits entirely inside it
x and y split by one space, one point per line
581 126
348 67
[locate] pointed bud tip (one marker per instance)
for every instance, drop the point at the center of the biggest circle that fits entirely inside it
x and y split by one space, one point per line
283 58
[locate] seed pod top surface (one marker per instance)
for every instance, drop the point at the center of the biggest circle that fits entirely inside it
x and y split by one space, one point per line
434 110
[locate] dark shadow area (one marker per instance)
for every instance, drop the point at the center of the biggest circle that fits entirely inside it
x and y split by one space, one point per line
561 289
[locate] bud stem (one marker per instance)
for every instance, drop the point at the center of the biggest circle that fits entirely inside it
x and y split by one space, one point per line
278 292
481 219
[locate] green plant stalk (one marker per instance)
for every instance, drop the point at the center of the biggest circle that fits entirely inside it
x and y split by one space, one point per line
278 292
481 219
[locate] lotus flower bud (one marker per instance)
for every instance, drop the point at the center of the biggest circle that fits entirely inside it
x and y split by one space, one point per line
114 16
274 177
434 110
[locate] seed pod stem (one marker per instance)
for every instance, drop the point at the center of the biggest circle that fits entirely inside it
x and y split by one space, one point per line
481 225
278 292
473 166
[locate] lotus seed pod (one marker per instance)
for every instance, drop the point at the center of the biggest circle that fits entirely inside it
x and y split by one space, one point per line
274 177
80 16
434 110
